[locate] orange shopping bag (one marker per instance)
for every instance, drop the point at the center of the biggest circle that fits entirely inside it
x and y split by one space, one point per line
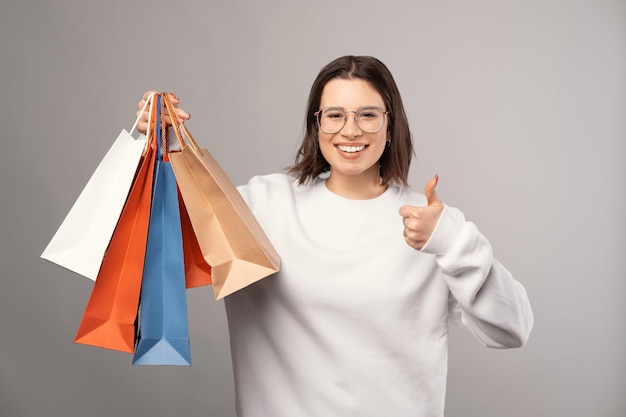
111 312
197 271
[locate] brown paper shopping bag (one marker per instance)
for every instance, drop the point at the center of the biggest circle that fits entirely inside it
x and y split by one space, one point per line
232 241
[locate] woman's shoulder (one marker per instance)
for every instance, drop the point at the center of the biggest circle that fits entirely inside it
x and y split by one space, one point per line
268 181
263 188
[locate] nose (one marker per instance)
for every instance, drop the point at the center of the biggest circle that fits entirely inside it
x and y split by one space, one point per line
350 127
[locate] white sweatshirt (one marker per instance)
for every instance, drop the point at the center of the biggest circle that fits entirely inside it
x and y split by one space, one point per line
355 323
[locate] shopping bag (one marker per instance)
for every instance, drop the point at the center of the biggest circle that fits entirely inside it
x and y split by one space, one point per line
81 240
197 271
231 240
111 312
163 325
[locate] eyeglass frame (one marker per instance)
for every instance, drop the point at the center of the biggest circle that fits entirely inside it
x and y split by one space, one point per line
317 114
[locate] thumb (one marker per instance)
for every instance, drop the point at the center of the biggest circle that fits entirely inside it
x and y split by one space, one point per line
431 194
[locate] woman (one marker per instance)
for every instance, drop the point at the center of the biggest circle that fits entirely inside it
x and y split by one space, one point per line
356 321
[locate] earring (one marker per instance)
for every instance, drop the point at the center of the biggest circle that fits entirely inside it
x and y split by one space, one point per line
388 143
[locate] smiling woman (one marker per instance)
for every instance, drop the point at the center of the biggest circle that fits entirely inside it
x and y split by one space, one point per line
350 83
352 153
356 320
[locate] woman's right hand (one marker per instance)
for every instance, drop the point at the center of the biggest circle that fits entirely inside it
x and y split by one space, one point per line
142 124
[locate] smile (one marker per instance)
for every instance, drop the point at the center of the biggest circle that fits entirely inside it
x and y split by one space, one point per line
351 149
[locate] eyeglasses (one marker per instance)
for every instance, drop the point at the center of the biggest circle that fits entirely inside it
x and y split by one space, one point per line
369 119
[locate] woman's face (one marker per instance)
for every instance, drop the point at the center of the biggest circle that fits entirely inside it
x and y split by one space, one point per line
351 152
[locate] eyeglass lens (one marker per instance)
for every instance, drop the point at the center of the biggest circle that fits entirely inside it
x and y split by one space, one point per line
368 119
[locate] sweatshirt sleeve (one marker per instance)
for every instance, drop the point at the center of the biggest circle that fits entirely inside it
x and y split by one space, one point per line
484 295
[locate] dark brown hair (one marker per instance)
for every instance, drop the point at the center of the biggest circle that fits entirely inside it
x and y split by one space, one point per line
396 159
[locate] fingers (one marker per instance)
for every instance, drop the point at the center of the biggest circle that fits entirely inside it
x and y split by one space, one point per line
420 222
182 114
407 211
142 127
145 98
431 194
416 234
148 93
142 124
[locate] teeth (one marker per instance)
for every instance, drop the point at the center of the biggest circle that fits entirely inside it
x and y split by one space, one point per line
351 149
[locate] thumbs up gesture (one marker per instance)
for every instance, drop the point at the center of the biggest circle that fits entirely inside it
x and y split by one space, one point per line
420 222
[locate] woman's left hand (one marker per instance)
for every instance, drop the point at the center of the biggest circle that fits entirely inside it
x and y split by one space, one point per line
420 222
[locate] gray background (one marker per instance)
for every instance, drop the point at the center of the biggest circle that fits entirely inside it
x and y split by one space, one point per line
517 105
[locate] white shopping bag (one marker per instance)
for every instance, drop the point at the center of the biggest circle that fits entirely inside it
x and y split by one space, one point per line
83 237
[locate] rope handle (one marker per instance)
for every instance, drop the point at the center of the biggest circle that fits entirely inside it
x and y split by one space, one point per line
165 142
178 126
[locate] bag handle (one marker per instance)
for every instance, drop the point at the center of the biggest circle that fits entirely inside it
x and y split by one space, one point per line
160 129
179 126
151 114
148 101
164 137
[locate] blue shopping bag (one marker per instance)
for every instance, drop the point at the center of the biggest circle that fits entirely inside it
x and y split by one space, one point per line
163 324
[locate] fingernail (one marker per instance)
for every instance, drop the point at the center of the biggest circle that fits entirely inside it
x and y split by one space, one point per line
436 179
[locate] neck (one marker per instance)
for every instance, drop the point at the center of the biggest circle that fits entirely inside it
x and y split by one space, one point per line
356 187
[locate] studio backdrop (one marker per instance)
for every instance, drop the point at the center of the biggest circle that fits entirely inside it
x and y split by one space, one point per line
517 105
